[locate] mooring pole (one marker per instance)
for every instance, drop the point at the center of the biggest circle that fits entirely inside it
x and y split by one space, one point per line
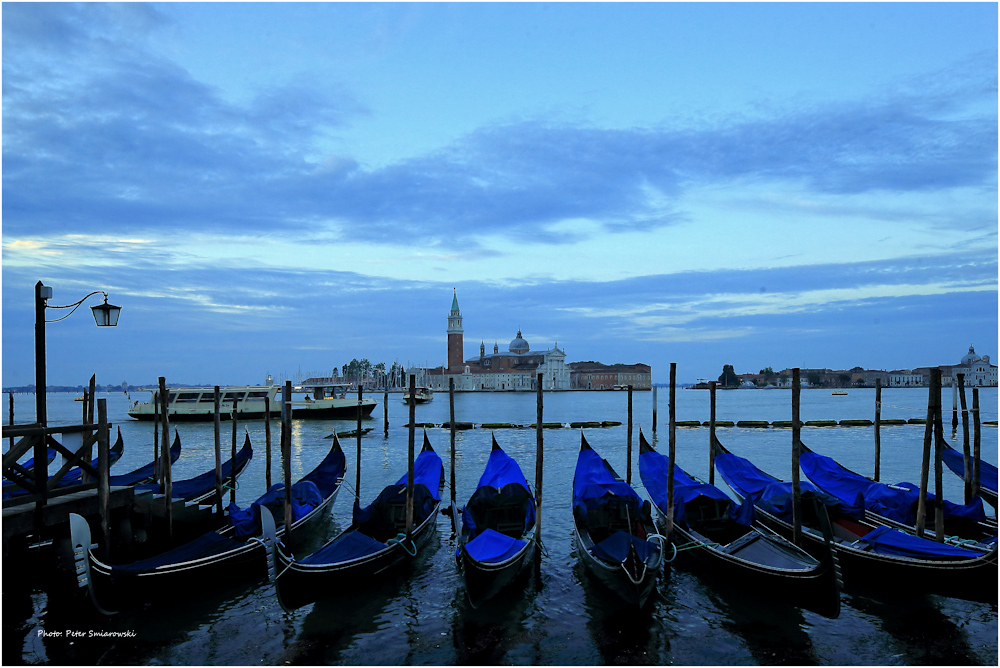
539 460
628 463
88 418
976 440
451 420
878 427
966 453
357 487
267 441
10 414
103 476
218 450
157 455
232 471
168 485
711 433
954 409
671 447
925 464
796 484
409 459
938 472
286 454
89 403
654 410
385 412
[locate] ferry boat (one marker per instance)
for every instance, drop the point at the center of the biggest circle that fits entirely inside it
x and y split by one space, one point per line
421 395
316 398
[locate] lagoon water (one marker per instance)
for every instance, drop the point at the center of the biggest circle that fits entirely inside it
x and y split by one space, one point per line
559 617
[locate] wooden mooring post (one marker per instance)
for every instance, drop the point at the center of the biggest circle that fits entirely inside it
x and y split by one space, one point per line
267 441
539 461
654 410
796 484
712 386
628 457
409 459
232 457
671 447
966 452
451 436
938 472
10 415
286 454
103 476
157 455
933 402
878 428
357 480
218 450
954 408
385 412
167 481
976 441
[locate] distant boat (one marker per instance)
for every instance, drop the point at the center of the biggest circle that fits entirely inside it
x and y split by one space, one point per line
839 393
421 395
80 398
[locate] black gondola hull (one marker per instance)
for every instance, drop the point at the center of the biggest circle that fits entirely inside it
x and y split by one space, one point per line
484 580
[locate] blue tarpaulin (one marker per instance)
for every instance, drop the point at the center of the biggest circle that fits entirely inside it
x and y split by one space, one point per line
955 460
593 485
345 547
502 486
653 468
204 483
885 540
493 547
615 547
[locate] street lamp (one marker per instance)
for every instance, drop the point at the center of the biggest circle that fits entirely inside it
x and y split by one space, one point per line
105 315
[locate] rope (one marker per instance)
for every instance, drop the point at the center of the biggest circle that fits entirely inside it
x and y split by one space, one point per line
629 575
692 545
399 542
235 486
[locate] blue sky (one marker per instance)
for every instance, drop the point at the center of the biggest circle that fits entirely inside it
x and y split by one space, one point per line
280 188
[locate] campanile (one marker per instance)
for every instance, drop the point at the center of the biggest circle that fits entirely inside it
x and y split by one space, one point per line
456 351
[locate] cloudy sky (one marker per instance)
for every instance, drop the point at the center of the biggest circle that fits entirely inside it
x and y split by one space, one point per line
276 188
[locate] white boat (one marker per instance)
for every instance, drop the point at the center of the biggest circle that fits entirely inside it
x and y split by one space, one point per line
421 395
316 398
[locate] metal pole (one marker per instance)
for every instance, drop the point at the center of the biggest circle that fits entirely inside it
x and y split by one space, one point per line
878 428
796 485
40 411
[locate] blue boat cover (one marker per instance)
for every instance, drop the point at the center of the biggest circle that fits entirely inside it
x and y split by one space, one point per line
772 495
614 548
885 540
897 502
206 545
955 460
71 477
502 478
143 472
493 547
345 547
653 468
305 497
204 483
375 519
594 486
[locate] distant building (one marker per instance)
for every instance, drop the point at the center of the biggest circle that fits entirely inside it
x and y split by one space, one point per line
905 378
597 376
978 370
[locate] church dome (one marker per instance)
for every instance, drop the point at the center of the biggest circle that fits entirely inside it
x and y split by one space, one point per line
970 357
518 345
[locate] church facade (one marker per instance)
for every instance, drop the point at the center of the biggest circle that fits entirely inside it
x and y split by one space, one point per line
513 370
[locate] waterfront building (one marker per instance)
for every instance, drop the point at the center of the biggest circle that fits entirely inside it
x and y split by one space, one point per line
597 376
515 369
905 378
977 369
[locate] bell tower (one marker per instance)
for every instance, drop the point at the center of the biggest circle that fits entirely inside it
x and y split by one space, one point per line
455 336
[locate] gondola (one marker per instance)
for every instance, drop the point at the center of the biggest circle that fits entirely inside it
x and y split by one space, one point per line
615 536
144 474
896 505
719 537
871 557
374 544
238 550
496 542
201 488
72 477
955 461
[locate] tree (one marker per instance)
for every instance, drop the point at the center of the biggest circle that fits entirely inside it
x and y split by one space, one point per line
728 379
767 372
814 378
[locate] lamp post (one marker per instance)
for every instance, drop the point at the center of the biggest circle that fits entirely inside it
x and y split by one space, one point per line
105 315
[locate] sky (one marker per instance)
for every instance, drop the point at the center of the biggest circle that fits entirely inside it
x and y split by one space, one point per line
280 188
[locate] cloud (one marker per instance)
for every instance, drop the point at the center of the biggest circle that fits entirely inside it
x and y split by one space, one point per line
101 134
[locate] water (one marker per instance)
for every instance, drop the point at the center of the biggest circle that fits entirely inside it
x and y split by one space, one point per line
559 618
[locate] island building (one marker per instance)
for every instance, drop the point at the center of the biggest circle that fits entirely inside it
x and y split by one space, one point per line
516 368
